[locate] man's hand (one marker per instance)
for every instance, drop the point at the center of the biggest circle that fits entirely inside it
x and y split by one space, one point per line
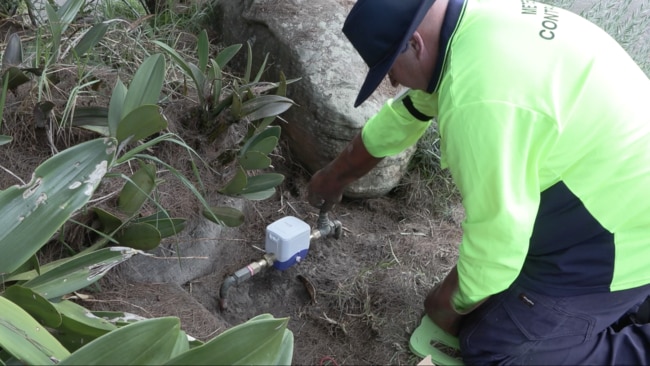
438 305
326 186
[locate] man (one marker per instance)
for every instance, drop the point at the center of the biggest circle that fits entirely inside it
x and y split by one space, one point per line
543 125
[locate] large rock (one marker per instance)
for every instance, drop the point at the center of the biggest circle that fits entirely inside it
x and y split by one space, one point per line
304 39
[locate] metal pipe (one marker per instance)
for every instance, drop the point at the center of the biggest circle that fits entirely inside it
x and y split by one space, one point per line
242 275
326 227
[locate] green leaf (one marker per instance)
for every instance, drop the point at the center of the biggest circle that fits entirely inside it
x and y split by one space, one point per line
263 182
146 84
217 82
166 225
227 216
68 12
253 160
61 185
118 318
90 116
203 47
259 196
236 105
264 141
78 272
269 110
79 326
140 236
116 107
186 66
25 339
226 55
13 55
261 70
236 184
36 305
259 341
182 345
249 63
142 122
91 38
147 342
15 77
56 30
4 139
109 221
137 190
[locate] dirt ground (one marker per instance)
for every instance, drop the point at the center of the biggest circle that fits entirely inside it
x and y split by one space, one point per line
367 287
369 284
353 300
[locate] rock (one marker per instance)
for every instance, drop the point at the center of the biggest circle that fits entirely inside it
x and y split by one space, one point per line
304 39
198 246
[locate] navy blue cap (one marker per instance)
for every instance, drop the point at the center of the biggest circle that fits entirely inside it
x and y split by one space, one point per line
378 30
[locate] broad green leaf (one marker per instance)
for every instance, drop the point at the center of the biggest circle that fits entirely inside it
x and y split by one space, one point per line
186 66
226 55
91 38
203 48
166 225
4 139
228 216
259 196
60 186
199 79
236 184
182 345
261 101
142 122
68 12
140 236
36 305
146 84
262 134
118 318
90 116
263 182
269 110
261 70
116 106
81 320
137 189
78 272
253 160
262 341
13 52
249 63
255 143
147 342
79 326
109 221
217 82
25 339
15 77
56 30
236 105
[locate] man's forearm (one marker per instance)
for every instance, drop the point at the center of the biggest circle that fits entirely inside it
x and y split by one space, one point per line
438 304
327 185
352 163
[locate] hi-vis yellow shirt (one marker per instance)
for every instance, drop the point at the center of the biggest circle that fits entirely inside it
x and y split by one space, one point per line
545 126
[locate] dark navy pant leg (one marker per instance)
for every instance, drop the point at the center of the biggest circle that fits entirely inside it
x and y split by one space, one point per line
520 326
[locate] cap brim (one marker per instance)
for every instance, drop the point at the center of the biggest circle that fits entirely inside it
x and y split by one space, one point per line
377 73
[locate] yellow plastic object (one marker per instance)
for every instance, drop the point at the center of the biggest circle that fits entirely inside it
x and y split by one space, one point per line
426 334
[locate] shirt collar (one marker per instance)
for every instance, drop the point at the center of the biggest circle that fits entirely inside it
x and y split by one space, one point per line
453 16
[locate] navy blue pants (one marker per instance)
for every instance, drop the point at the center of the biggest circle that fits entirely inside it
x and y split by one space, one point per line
522 327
